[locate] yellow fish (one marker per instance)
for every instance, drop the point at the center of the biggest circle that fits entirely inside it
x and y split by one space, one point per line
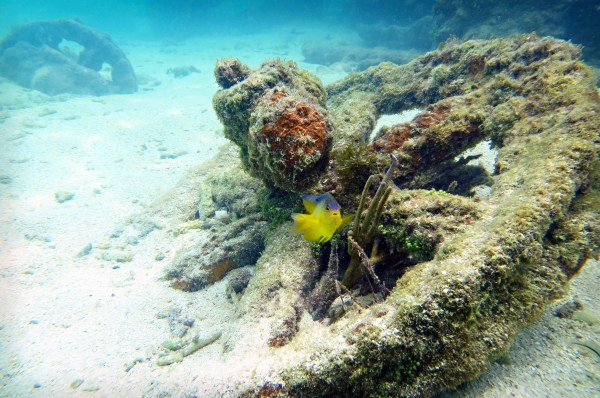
323 220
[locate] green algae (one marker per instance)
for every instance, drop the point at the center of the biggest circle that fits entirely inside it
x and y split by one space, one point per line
446 319
364 225
465 273
132 364
277 206
355 163
187 226
276 116
169 359
587 317
418 221
183 350
63 196
198 343
172 345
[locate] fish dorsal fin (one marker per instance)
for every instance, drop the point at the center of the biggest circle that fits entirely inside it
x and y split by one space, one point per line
310 202
320 209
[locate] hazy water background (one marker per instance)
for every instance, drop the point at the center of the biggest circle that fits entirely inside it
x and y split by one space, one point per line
167 19
147 30
410 24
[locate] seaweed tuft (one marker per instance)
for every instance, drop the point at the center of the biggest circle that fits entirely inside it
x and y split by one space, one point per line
355 162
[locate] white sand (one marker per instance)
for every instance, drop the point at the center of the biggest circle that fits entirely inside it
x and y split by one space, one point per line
64 317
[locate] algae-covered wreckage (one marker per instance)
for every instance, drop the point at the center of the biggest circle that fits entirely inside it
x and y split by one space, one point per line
462 272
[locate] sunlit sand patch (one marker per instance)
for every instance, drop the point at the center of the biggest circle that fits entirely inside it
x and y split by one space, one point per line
126 124
36 202
80 175
175 112
159 166
57 134
17 256
89 142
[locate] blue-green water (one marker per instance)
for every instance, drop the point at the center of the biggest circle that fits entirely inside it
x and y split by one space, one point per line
408 24
164 18
84 310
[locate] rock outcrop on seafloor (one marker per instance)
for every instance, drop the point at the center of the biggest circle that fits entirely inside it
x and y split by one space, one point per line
446 318
233 229
449 276
276 115
65 56
459 275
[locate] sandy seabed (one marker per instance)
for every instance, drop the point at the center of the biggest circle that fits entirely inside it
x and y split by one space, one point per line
73 323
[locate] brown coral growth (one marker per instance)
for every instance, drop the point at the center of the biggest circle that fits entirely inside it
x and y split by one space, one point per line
271 390
436 115
284 332
393 138
299 135
220 269
277 95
